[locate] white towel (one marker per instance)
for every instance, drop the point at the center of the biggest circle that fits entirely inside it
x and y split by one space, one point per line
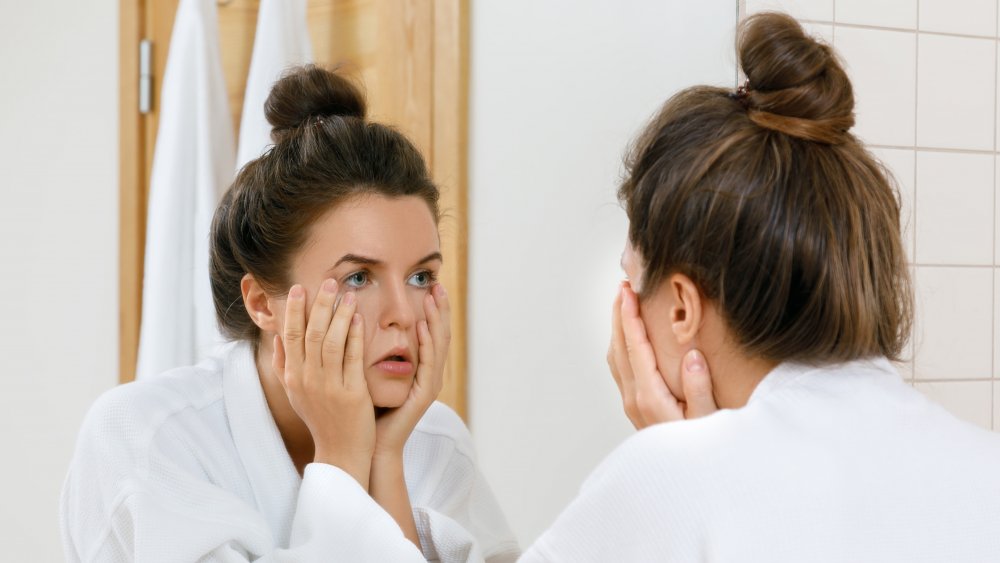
281 41
192 165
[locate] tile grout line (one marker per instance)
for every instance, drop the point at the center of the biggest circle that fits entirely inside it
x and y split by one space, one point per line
986 152
993 340
953 380
916 93
899 29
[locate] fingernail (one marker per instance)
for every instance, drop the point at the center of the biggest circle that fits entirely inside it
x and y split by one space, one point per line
440 290
330 286
349 298
356 319
296 292
694 361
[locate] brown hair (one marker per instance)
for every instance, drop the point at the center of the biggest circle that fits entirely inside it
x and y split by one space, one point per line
772 207
325 152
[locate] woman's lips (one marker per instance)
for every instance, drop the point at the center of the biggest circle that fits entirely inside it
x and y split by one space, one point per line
396 368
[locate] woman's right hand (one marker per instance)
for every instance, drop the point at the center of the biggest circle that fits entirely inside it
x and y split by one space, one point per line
645 395
320 364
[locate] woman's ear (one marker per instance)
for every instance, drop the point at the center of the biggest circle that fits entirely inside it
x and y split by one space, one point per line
258 305
686 313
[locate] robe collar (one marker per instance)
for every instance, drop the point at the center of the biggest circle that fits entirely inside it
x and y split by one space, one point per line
273 478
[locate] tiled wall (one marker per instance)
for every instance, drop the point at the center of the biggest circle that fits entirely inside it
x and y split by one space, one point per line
925 79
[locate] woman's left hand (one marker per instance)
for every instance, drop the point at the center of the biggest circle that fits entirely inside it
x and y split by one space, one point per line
394 427
645 395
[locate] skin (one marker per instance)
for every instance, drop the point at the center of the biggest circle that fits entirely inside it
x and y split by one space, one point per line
363 289
661 348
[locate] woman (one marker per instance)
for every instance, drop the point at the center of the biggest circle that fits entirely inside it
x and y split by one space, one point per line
324 256
764 242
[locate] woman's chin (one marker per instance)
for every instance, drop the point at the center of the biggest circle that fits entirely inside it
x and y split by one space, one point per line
389 393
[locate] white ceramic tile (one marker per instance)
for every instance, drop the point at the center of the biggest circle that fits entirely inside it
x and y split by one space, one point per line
821 31
996 407
954 208
900 163
882 67
954 332
821 10
996 202
996 322
883 13
905 370
973 17
955 92
968 400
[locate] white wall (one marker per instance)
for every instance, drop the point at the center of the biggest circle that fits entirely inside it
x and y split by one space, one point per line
557 91
58 250
925 79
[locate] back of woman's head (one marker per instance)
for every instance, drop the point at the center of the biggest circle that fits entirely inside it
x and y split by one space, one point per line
772 207
325 152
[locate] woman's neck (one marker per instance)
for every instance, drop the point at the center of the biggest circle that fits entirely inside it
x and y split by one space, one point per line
735 374
294 432
734 378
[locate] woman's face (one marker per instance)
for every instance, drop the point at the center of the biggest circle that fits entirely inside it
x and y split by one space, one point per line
656 311
387 251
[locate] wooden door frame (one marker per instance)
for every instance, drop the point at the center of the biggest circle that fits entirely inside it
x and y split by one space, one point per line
448 162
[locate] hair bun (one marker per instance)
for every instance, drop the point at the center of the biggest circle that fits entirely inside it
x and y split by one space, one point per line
310 92
796 85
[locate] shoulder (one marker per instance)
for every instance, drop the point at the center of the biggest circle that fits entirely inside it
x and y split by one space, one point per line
675 458
441 423
130 415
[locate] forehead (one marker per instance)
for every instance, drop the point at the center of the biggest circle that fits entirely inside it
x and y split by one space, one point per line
391 230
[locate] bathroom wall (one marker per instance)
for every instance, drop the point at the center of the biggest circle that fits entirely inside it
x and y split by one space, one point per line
58 251
925 78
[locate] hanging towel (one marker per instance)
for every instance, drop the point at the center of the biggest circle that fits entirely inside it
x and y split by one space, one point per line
281 41
192 165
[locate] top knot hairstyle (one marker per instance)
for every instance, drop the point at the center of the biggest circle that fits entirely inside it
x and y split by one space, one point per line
325 152
772 207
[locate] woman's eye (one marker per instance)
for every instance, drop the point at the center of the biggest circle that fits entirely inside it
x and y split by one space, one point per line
421 279
357 279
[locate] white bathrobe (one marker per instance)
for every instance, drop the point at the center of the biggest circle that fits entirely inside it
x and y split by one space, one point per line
190 466
192 167
281 41
845 463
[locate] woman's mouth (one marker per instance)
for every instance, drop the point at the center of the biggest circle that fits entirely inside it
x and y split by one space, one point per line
395 364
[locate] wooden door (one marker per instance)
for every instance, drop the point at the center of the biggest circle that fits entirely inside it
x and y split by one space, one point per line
412 56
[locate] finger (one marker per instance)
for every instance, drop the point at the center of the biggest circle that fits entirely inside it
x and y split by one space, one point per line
429 377
439 323
653 399
622 366
616 328
354 354
336 337
697 383
319 322
278 359
294 330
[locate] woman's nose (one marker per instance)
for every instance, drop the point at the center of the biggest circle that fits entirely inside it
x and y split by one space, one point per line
397 310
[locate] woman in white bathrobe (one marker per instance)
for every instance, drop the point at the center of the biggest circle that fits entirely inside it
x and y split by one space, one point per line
764 243
324 259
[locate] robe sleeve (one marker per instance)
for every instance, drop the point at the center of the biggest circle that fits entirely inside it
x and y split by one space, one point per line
457 516
130 496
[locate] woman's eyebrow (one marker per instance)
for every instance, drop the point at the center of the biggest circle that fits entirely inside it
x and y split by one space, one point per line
366 261
355 259
430 257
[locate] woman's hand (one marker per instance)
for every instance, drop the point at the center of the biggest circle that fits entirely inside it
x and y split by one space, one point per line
645 394
321 366
394 426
